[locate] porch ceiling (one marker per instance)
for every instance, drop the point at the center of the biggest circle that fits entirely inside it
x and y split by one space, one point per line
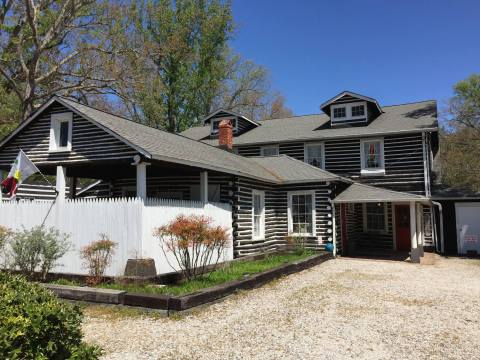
360 193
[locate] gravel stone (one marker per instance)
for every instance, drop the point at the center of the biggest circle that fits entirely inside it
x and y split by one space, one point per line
341 309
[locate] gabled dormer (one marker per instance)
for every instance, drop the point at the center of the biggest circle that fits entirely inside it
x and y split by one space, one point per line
348 108
239 123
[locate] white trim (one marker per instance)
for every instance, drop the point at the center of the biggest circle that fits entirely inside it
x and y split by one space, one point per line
261 193
385 218
348 112
372 171
352 94
208 117
321 144
55 124
262 149
289 212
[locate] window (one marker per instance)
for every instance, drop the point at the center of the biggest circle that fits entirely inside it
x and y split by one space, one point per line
372 157
258 214
355 112
269 150
358 110
301 213
216 122
61 132
374 217
340 112
313 155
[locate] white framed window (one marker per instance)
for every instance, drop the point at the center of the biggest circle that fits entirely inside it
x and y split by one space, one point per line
375 217
341 113
61 132
372 157
301 213
215 122
258 214
270 150
314 154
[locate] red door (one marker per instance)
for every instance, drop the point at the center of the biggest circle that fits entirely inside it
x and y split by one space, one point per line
402 227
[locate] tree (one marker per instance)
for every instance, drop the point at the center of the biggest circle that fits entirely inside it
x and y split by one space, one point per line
181 45
54 46
460 149
464 107
247 90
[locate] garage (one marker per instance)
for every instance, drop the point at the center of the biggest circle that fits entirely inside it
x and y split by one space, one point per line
468 227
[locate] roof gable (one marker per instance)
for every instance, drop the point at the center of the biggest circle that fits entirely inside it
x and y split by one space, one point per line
348 97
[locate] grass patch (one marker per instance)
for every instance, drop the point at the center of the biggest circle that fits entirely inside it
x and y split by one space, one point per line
234 271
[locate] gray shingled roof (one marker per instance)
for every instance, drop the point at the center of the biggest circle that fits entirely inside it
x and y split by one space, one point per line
394 119
360 193
290 170
164 146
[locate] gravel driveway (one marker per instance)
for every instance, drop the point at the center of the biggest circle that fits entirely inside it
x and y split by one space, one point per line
341 309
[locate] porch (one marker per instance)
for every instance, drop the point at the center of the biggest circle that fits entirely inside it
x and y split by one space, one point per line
374 222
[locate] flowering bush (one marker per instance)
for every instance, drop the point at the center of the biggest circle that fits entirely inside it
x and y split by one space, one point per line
97 257
194 242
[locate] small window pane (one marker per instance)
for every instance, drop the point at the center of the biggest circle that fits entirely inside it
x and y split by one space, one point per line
372 155
314 155
358 110
339 112
63 140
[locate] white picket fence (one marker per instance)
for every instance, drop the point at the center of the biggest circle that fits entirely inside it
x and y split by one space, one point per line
130 222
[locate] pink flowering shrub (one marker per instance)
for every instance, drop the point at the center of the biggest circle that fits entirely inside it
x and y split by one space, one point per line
194 242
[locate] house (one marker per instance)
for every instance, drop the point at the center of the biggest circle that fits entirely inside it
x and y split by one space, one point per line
358 175
389 152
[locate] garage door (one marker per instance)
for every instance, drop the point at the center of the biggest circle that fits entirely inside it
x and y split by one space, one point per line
468 227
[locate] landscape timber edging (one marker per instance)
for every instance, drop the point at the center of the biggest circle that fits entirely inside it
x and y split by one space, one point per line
184 302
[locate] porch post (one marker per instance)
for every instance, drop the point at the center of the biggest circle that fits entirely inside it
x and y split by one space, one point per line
60 182
419 229
142 180
204 187
414 256
1 179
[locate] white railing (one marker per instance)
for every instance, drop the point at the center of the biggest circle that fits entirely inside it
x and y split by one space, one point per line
130 222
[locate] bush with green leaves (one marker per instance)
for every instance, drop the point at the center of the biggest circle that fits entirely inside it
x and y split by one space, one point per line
34 324
38 249
5 235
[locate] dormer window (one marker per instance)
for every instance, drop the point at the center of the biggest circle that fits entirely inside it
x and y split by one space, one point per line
339 112
349 113
61 132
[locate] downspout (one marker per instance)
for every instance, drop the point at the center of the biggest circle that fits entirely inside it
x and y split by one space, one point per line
440 211
425 166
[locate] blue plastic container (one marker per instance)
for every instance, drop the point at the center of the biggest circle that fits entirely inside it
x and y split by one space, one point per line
329 247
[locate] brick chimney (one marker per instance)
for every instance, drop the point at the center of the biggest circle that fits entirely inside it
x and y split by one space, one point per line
225 135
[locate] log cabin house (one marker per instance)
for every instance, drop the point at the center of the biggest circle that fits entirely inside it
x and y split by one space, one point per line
359 175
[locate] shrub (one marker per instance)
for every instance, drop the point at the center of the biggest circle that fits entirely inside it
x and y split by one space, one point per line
194 243
34 324
38 248
5 235
97 257
297 243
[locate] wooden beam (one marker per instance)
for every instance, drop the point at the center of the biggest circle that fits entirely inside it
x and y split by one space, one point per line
73 187
204 187
60 182
142 180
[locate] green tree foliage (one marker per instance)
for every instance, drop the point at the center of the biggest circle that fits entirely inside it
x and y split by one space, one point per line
182 45
460 140
34 324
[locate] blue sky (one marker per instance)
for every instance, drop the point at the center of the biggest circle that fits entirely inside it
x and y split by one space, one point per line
395 51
